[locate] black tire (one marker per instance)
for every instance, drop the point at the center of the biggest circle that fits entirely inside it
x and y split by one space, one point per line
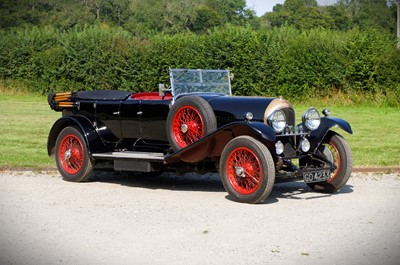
72 156
247 170
189 119
338 151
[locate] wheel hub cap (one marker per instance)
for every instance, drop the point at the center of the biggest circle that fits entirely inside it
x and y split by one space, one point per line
184 128
240 172
68 154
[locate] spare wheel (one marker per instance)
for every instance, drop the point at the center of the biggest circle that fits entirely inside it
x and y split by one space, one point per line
189 119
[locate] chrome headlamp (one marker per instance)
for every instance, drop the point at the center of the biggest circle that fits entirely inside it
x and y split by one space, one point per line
279 148
305 145
277 120
311 119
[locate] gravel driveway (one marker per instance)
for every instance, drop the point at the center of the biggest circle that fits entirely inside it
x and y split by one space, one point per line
121 219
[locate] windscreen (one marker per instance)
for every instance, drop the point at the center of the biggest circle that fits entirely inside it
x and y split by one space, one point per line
187 81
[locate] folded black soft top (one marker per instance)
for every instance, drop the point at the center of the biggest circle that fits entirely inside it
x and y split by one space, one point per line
102 95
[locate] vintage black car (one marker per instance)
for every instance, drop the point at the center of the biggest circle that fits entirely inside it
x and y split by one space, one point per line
197 125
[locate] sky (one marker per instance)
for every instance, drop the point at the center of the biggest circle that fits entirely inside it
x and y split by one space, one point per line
262 6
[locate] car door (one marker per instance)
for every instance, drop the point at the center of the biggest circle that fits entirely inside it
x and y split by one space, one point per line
108 123
130 119
144 119
153 118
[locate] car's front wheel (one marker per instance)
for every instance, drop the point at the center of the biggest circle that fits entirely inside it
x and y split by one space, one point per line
337 151
72 157
247 170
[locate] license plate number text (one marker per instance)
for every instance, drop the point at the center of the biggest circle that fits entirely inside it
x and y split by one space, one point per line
316 176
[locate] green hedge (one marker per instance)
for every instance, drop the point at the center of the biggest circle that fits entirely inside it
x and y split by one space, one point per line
282 61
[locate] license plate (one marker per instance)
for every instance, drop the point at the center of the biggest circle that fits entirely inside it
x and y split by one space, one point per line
316 176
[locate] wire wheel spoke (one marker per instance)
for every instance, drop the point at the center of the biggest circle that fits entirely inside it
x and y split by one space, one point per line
189 118
244 159
71 154
336 159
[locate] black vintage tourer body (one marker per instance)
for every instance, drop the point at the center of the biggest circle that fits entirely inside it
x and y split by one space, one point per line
197 125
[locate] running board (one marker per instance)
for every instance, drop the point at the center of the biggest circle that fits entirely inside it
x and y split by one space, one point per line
131 155
133 161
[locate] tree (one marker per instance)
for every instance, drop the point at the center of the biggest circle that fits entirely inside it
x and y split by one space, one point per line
341 20
397 4
141 17
172 16
179 15
205 18
303 14
16 13
309 17
295 5
232 11
398 23
368 14
62 14
346 14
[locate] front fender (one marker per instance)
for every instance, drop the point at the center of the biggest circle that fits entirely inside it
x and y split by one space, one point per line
213 144
317 136
93 141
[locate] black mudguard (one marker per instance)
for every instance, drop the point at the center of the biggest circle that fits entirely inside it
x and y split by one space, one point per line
213 144
317 136
93 141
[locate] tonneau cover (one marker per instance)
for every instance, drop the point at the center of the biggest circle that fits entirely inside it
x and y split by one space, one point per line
102 95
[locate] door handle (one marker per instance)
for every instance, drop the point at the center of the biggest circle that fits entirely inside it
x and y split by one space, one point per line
116 113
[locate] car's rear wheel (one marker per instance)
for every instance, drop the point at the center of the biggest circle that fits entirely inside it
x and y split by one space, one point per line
247 170
72 157
190 119
337 151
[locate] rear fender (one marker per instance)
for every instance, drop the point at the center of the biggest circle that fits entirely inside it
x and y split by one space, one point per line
213 144
93 141
317 136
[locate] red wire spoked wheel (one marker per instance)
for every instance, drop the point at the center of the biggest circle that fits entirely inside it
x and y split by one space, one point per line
336 159
187 126
244 170
189 120
71 154
247 170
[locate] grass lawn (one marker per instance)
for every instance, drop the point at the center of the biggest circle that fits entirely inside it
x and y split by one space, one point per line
25 122
376 133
